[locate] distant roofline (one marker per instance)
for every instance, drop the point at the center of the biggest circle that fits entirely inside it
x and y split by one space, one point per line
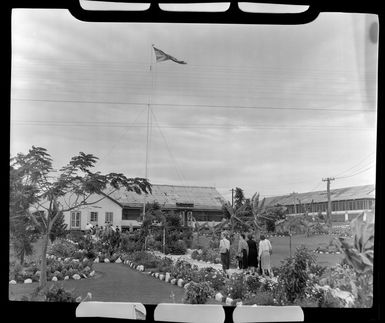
123 204
173 207
184 186
332 189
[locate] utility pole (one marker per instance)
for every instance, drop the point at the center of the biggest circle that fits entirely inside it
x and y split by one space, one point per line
329 211
295 205
232 197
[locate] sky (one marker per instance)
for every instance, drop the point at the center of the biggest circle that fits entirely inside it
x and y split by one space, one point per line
269 109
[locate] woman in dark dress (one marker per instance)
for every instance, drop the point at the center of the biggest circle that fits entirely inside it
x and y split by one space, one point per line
253 254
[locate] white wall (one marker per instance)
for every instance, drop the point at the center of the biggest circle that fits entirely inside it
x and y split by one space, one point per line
103 206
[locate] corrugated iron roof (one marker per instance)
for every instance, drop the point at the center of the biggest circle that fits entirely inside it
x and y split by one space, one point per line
339 194
206 198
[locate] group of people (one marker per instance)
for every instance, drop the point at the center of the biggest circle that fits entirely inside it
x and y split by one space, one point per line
252 256
98 232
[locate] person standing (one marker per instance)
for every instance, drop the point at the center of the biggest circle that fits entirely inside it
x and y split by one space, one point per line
264 253
252 259
243 251
224 249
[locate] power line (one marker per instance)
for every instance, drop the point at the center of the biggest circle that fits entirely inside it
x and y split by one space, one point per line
72 62
356 164
207 126
363 171
369 164
194 105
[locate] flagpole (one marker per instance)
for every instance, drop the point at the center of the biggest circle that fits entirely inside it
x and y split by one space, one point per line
148 127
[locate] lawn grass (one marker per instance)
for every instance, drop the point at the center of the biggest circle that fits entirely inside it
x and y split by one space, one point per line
112 283
281 248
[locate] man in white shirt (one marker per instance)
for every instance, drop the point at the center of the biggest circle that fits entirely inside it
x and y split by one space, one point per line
89 227
224 249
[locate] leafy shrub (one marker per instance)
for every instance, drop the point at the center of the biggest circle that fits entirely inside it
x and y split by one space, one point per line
341 277
359 255
79 255
196 255
129 242
198 293
253 283
216 278
62 248
15 272
165 265
154 245
75 235
86 243
182 269
236 286
176 248
294 274
144 258
328 300
57 293
210 255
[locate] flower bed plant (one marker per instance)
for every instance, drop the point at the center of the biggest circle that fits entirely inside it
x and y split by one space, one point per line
55 268
216 278
182 270
165 265
198 293
144 258
63 248
236 286
208 255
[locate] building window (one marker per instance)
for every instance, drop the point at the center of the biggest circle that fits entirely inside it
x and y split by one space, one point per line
75 219
94 217
109 217
341 206
324 207
334 206
131 214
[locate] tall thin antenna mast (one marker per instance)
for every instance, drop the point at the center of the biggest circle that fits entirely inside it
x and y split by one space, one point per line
148 126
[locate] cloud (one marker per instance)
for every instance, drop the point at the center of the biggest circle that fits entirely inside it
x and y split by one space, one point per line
57 58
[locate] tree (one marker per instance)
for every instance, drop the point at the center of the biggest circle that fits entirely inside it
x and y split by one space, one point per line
239 198
59 228
253 215
273 214
23 234
22 231
73 186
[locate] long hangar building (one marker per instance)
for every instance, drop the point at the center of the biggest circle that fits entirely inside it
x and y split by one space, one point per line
347 202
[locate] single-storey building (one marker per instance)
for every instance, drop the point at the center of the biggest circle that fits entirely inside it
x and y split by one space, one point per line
346 202
123 208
